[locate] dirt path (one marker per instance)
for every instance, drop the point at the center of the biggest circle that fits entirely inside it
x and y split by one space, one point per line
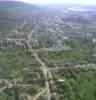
39 94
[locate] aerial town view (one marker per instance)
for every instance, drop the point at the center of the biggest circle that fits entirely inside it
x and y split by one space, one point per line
47 51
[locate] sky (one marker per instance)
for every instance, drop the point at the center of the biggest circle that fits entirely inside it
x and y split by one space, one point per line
92 2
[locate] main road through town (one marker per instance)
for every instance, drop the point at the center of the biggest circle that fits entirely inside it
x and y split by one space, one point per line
43 66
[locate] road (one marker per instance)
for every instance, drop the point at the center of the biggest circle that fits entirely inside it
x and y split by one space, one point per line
3 88
52 49
43 66
83 66
4 84
39 94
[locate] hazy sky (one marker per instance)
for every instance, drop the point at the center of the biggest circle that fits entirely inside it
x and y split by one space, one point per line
61 1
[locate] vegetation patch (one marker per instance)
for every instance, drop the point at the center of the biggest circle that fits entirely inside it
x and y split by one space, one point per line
18 65
77 85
